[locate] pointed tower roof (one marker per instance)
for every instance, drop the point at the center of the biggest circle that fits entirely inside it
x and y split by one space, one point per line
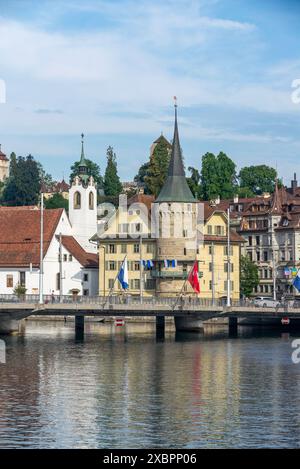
175 188
83 169
276 207
82 159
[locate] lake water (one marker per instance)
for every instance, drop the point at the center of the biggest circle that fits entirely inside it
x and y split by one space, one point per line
126 389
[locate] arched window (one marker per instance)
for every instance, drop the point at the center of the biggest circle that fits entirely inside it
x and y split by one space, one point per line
77 200
91 201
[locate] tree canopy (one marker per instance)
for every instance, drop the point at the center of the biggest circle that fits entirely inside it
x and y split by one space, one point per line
249 278
23 185
112 184
257 179
57 201
158 167
194 182
218 176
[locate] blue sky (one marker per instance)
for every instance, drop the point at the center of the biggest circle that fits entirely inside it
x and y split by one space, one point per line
110 69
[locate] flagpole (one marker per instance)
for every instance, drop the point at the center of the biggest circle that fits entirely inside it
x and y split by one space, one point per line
185 282
141 270
228 259
112 288
41 274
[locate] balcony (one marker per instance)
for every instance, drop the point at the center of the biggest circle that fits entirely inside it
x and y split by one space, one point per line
169 274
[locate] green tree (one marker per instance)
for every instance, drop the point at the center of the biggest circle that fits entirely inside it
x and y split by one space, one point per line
141 175
93 170
249 278
23 186
218 176
45 178
194 182
57 201
158 168
257 179
112 184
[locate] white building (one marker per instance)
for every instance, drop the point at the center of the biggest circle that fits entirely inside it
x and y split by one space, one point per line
20 244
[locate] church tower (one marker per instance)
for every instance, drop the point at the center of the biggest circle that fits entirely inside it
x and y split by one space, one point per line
83 205
176 226
4 166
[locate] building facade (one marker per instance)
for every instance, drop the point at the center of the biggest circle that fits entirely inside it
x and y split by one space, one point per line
163 238
270 225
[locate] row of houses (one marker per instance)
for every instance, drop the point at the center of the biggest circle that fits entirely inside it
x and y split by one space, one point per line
160 238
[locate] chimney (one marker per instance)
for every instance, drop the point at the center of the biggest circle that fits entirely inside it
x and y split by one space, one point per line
236 199
294 184
217 201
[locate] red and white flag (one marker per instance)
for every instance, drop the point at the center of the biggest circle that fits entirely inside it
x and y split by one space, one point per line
194 279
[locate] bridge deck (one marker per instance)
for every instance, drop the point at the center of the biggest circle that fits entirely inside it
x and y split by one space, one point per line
159 307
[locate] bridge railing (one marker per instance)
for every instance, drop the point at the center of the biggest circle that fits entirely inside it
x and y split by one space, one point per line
111 300
127 299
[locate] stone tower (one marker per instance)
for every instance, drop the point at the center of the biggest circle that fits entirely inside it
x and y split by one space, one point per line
83 205
175 212
4 166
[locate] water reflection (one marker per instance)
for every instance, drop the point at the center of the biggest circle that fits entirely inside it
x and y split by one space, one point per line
121 387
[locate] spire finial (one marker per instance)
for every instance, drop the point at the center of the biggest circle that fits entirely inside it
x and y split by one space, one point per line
82 148
175 101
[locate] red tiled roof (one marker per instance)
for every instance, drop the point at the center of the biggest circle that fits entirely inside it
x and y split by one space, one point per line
234 238
86 259
20 235
147 200
3 157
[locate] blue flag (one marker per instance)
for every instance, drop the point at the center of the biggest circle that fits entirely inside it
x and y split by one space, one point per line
123 275
296 282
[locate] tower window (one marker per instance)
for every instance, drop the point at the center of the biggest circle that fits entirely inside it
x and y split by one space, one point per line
91 201
77 200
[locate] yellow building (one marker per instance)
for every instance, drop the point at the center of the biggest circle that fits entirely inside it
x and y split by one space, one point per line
212 256
127 234
139 247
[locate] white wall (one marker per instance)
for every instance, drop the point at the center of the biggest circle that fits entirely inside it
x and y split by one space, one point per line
73 272
83 220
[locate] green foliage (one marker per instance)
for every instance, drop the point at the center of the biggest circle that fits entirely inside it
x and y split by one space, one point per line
257 179
194 182
112 184
249 278
45 178
140 177
218 176
157 170
20 290
93 170
57 201
23 185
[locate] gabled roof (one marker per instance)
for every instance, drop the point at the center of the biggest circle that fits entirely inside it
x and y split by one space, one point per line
86 259
163 139
175 188
20 235
3 157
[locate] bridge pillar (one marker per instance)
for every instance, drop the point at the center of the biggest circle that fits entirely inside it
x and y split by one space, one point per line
79 327
188 323
233 325
8 325
160 327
